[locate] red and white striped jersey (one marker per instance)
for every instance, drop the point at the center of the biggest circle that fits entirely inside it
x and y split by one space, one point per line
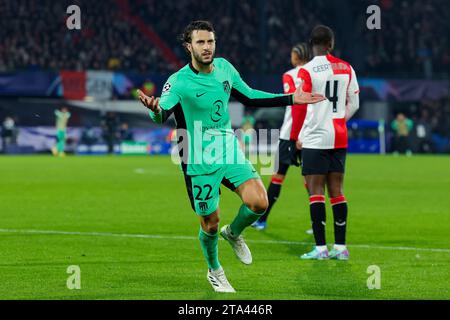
294 115
325 123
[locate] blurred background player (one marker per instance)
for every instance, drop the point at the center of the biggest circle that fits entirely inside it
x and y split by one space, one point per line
125 134
88 137
9 133
402 126
110 123
325 141
287 154
62 117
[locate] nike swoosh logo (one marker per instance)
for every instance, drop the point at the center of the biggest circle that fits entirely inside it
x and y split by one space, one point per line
200 94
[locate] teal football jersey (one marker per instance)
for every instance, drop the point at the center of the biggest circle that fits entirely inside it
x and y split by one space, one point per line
199 102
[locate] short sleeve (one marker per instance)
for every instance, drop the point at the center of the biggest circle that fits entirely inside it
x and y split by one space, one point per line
170 95
353 87
305 77
288 83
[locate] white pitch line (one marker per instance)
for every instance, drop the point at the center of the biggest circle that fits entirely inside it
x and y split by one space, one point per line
177 237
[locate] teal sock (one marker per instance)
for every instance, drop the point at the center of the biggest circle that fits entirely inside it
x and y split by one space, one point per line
209 243
244 218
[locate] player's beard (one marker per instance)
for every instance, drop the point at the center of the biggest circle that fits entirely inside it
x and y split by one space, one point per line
200 60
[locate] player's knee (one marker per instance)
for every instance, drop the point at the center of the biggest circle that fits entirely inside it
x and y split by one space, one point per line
335 192
210 223
212 228
315 190
335 195
258 205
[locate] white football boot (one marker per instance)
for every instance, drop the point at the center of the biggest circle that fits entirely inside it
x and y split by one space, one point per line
238 244
219 281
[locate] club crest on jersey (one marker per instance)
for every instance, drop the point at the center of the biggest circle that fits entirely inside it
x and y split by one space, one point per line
203 206
226 87
166 87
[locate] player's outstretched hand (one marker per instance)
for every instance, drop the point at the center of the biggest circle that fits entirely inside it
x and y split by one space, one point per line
151 103
301 97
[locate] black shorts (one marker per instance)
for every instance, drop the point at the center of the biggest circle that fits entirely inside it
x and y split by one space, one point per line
283 157
323 161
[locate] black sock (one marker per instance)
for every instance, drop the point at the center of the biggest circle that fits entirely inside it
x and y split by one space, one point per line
273 192
340 221
318 218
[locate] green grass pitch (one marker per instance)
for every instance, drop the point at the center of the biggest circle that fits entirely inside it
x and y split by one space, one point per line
127 223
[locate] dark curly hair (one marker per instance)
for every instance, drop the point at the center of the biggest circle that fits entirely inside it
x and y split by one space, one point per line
186 36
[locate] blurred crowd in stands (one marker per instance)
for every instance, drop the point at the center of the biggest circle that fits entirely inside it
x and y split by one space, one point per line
255 35
413 39
34 36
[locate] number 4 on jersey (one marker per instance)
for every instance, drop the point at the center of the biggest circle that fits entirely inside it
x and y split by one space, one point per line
333 98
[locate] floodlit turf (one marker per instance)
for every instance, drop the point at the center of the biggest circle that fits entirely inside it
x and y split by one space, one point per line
94 208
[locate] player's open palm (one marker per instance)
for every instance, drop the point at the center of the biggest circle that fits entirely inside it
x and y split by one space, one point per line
151 103
301 97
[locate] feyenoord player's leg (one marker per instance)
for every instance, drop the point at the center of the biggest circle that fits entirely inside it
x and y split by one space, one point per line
282 163
287 155
273 192
315 164
335 186
316 187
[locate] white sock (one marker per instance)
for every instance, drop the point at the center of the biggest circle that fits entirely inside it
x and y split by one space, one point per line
321 248
340 247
